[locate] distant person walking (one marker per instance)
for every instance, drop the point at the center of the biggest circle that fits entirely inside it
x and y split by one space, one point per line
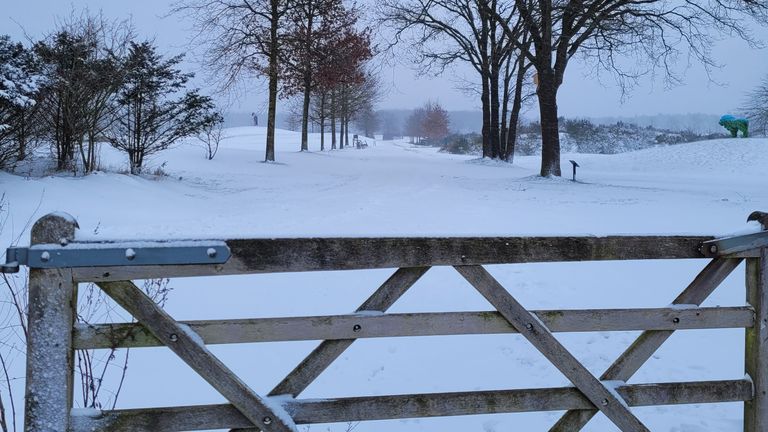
255 119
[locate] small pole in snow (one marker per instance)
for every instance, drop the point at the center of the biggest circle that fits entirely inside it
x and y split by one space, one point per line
573 162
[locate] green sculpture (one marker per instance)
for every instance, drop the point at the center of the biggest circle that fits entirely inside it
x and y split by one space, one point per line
734 125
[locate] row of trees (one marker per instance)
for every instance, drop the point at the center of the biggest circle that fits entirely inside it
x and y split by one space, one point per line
507 40
342 105
89 82
441 33
315 49
307 48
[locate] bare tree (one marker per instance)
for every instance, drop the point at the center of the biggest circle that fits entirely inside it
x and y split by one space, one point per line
65 56
295 115
342 67
358 102
414 125
436 122
212 133
515 76
102 372
111 40
342 93
654 32
319 112
83 62
313 23
756 107
368 121
443 32
243 39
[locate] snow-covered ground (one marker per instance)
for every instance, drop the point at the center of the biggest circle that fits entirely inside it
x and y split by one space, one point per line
394 188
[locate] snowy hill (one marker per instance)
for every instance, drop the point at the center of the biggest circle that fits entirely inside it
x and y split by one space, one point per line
393 188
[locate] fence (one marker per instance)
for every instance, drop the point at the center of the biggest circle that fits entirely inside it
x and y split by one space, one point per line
58 263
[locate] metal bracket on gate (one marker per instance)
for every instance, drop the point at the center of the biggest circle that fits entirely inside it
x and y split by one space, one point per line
139 253
734 245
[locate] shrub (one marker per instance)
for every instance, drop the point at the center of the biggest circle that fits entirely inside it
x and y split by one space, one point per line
471 144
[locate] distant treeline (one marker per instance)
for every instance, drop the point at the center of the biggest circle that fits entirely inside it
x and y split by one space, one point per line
584 136
392 120
467 121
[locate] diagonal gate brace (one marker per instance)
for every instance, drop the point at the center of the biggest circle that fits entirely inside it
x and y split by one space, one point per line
606 400
328 351
189 347
649 341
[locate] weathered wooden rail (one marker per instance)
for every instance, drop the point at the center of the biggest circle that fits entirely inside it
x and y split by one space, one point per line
58 263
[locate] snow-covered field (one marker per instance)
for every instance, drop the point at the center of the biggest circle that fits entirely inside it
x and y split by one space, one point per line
393 188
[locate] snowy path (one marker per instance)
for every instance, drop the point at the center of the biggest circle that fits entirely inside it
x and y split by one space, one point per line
396 189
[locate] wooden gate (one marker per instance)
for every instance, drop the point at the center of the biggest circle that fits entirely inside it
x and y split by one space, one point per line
58 263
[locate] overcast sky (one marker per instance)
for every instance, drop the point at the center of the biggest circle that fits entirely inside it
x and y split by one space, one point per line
581 95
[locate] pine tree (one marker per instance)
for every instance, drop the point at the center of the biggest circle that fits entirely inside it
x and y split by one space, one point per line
19 86
154 109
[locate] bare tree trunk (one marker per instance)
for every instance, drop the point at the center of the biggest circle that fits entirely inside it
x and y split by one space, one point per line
486 117
307 85
22 154
517 105
504 131
346 129
493 129
504 110
132 161
136 155
273 77
92 150
322 134
485 95
341 120
494 67
87 151
550 137
333 121
305 115
549 82
21 136
346 126
83 158
322 121
514 119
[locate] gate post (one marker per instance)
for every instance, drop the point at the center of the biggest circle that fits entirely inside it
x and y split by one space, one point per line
52 303
756 343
